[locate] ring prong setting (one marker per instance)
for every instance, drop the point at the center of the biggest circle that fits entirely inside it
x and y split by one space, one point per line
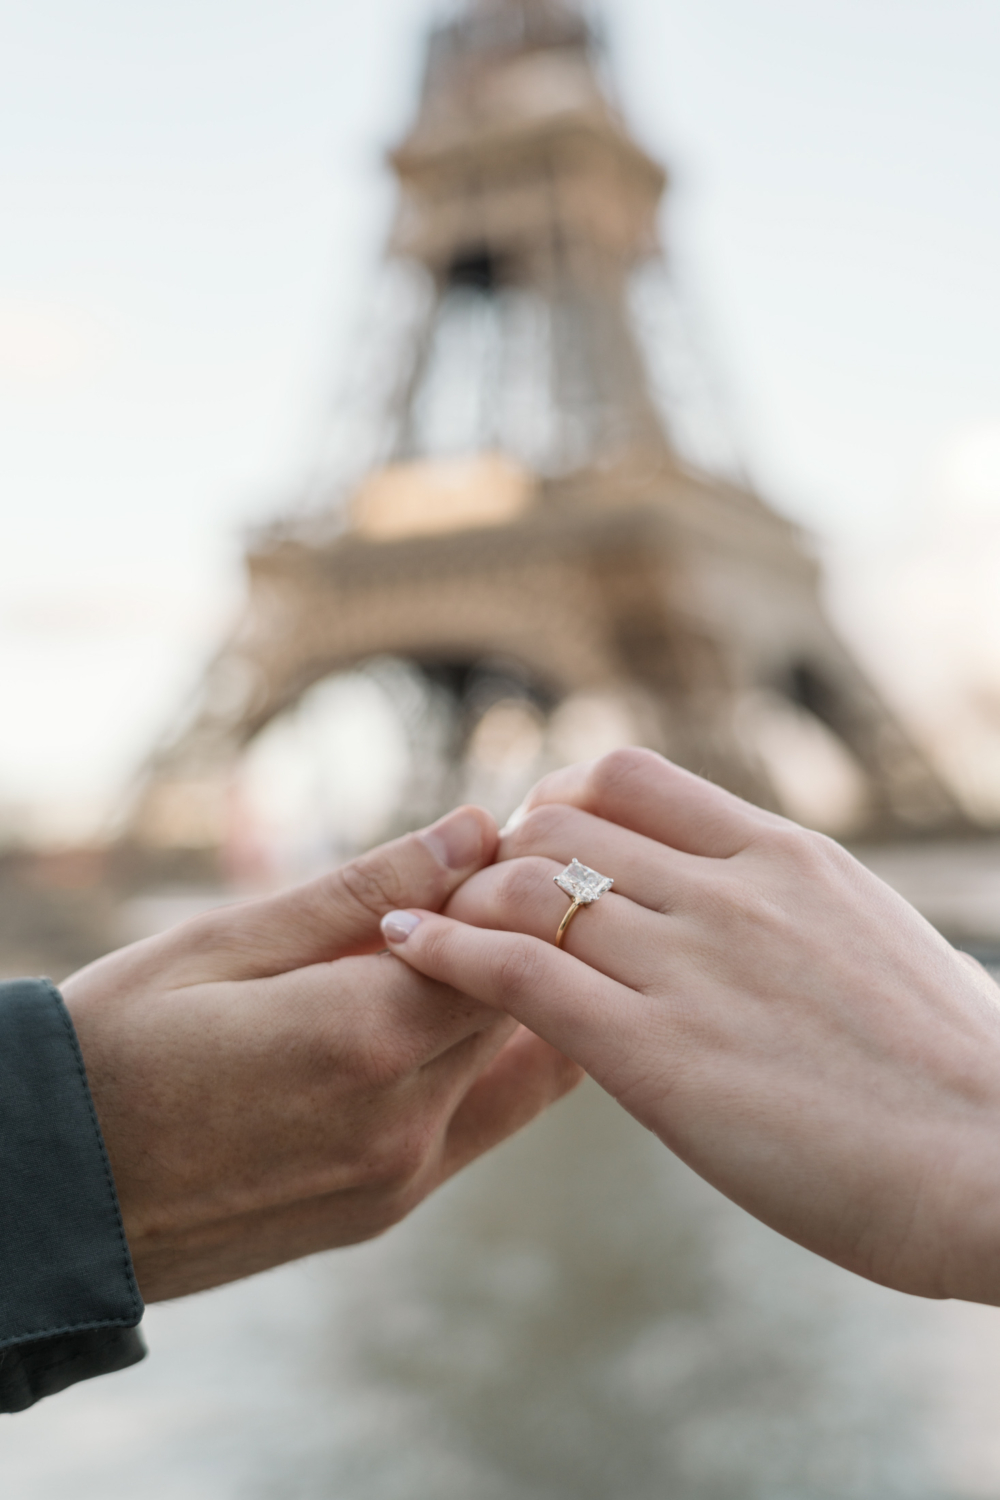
583 886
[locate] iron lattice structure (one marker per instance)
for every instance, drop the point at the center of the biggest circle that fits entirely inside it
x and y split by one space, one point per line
526 505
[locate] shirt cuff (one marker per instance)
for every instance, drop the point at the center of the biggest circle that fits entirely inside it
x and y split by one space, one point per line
69 1303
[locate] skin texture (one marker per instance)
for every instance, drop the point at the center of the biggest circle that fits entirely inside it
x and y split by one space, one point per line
780 1018
270 1084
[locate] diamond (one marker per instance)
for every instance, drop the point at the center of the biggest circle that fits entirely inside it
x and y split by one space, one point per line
582 884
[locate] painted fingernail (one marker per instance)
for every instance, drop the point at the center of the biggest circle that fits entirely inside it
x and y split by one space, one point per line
397 926
457 840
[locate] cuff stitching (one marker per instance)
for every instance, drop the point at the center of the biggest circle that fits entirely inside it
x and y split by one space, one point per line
66 1328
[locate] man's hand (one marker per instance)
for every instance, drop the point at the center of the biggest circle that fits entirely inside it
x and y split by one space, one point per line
269 1084
779 1017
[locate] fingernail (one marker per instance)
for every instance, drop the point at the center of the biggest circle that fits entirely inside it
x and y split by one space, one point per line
517 816
397 926
457 840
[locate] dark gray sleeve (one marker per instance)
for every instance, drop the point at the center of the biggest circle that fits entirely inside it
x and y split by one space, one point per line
69 1303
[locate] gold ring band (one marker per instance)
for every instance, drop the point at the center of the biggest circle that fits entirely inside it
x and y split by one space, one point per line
583 886
567 919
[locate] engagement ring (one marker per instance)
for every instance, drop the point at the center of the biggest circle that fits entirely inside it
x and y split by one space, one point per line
583 886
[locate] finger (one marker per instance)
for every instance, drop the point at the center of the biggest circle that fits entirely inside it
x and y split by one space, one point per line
338 914
523 1080
584 1014
390 1019
647 872
613 935
642 791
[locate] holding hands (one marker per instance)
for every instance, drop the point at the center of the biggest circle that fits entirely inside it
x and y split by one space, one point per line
779 1017
268 1084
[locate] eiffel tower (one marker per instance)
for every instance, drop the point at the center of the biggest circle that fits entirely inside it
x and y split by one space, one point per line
526 512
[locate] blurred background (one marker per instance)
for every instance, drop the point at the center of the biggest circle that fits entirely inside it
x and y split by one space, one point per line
204 355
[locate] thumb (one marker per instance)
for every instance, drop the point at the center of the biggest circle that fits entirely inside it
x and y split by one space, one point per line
339 914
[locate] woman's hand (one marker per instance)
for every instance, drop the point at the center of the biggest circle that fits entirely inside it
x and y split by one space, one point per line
779 1017
268 1085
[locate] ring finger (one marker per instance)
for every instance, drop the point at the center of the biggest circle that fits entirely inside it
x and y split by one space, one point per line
647 872
520 895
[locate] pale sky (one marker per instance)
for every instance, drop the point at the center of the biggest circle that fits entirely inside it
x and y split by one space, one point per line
193 204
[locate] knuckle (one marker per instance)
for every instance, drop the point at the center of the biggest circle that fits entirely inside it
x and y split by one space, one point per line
733 900
541 827
373 883
620 767
210 935
803 851
357 1051
383 1063
833 856
399 1153
747 907
539 794
519 883
193 940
